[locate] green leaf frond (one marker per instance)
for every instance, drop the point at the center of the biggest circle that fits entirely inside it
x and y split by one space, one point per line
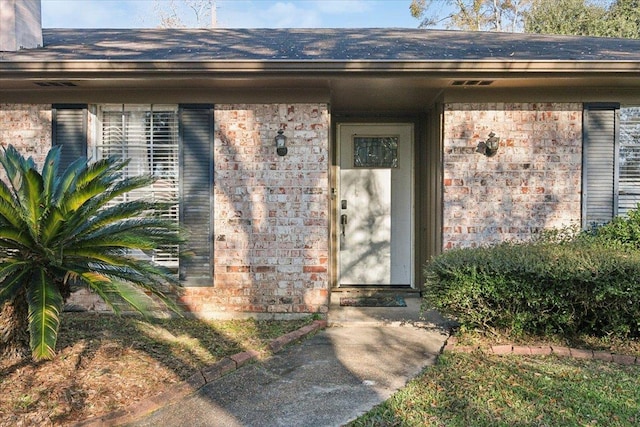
84 178
12 278
98 284
49 175
113 189
8 204
113 244
109 167
93 171
145 274
25 190
30 194
88 255
53 222
15 165
66 183
45 303
114 292
120 211
127 185
101 285
94 204
125 267
7 162
151 229
16 239
72 202
116 285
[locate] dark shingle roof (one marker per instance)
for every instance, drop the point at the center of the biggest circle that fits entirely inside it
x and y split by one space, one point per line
372 44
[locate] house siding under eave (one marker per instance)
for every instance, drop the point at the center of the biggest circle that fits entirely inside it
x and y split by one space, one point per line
270 228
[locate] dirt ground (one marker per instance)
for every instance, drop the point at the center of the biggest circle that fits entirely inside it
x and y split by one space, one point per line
106 363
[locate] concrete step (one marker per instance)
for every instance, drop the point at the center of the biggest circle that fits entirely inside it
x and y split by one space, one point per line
411 315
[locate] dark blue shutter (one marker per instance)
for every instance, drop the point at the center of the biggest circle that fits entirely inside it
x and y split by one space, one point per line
69 129
196 196
599 174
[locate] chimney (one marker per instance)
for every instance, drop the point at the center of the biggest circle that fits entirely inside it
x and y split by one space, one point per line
20 24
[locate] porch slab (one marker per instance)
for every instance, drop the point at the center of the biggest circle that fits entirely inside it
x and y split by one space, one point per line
412 314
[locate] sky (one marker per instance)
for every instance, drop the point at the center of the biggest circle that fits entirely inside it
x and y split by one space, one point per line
232 13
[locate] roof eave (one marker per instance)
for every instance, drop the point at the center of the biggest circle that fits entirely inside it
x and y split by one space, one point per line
48 68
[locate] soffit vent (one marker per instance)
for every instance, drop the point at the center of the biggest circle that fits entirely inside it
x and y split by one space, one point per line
55 84
471 82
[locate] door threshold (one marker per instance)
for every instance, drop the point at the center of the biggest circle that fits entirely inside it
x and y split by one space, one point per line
374 287
361 290
378 287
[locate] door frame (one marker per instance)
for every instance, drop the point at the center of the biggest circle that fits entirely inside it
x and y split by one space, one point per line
335 196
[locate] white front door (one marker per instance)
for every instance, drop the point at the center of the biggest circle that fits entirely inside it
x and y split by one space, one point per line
375 205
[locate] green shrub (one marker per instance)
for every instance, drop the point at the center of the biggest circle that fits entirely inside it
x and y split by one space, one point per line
622 230
550 286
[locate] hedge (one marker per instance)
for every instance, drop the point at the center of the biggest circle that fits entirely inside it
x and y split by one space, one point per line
566 287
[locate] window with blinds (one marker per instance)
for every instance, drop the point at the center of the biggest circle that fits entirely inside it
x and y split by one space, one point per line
148 136
629 159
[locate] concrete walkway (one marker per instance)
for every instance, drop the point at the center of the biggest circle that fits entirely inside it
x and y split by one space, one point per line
361 359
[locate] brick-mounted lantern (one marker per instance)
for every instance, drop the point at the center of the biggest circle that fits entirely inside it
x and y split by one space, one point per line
281 143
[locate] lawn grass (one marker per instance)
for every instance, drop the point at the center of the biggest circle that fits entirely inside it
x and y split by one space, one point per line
478 389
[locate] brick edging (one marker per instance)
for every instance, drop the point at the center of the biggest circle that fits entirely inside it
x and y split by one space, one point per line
197 380
546 349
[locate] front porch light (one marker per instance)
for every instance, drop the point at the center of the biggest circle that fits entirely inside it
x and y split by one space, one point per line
489 147
281 143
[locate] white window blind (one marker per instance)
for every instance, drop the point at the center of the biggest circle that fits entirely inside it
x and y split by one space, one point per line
629 159
148 136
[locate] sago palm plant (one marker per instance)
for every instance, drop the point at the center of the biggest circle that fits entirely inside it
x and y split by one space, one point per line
62 229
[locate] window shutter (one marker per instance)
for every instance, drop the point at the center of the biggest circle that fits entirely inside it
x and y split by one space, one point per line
69 129
600 151
196 198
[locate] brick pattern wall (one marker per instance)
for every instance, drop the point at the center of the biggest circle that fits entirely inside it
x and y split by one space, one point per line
532 183
271 213
26 127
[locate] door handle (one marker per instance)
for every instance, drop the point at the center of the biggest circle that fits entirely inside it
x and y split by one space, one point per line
343 223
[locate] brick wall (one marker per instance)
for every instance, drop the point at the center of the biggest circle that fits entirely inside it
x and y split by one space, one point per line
271 213
533 182
26 127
